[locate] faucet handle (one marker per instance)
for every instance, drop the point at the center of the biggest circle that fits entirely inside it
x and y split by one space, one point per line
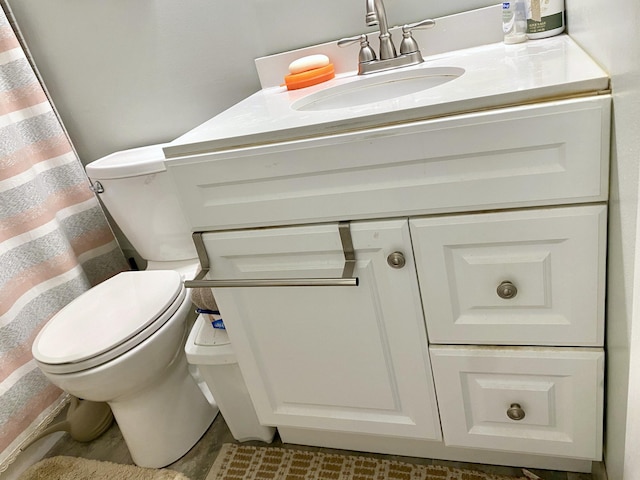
409 45
366 52
428 23
344 42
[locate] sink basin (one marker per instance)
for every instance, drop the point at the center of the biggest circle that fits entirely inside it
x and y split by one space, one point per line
384 86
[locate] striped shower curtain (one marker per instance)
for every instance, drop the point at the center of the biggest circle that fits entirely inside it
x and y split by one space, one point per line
54 241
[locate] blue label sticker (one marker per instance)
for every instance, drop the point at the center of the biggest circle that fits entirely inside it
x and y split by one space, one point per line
218 324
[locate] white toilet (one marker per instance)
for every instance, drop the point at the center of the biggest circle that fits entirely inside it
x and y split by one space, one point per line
122 342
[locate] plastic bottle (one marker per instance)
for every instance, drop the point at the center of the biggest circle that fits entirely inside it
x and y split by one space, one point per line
545 18
514 21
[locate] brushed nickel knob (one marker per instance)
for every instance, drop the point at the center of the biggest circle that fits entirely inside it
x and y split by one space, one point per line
396 260
515 412
507 290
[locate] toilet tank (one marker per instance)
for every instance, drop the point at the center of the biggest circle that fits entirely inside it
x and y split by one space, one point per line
141 197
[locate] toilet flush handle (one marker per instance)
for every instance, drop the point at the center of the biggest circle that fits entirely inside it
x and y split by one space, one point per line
96 187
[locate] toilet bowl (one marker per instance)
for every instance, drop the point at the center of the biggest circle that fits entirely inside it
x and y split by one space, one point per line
129 354
122 342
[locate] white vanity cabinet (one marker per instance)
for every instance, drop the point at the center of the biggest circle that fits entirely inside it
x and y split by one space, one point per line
501 309
340 358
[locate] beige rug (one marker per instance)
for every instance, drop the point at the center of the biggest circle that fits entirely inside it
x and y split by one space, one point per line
237 462
71 468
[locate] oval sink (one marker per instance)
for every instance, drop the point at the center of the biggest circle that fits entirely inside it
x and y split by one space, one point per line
377 88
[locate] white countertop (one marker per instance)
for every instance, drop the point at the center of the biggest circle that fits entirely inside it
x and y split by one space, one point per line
496 75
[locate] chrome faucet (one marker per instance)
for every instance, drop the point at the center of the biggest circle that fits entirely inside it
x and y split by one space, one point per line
389 59
376 14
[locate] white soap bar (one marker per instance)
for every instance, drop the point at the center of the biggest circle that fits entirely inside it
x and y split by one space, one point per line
308 63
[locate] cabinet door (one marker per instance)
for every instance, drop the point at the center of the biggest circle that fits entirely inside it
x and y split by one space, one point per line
531 277
350 358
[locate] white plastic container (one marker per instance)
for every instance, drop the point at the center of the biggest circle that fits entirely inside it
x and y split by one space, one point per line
545 18
213 364
514 21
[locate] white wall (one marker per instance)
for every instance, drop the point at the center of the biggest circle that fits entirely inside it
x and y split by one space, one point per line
128 73
611 33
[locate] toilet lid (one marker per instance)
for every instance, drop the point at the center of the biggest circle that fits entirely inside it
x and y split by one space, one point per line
108 316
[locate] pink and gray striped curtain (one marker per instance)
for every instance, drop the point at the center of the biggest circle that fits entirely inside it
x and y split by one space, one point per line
54 240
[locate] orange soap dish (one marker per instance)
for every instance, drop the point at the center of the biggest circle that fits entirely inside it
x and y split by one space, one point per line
308 78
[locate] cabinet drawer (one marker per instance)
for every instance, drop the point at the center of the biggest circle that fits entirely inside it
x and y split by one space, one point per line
544 154
558 390
532 277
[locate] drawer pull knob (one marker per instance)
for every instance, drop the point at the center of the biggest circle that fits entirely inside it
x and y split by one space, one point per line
396 260
515 412
507 290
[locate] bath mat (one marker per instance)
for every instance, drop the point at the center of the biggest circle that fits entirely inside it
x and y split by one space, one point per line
235 462
71 468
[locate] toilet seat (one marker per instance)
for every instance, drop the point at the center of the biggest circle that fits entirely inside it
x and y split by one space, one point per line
108 320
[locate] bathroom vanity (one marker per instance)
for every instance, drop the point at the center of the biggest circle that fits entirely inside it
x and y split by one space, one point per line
423 275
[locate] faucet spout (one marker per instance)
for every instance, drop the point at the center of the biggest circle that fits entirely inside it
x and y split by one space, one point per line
371 18
389 59
377 15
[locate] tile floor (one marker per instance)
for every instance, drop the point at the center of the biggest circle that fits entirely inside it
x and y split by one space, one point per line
197 462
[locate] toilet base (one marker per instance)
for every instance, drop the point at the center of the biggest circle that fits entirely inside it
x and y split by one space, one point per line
160 425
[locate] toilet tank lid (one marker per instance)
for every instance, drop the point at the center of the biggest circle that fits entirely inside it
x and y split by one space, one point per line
128 163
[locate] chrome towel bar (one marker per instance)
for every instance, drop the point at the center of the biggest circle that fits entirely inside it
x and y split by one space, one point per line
346 280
